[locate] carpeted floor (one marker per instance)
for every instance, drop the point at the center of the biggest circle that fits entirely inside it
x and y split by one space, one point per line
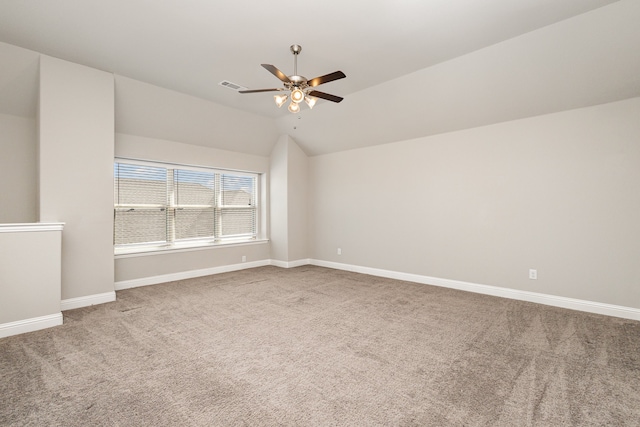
312 346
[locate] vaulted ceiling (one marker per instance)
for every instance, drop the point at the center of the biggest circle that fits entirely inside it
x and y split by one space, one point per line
414 67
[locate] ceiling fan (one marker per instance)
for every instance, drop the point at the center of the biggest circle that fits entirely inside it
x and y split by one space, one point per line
300 88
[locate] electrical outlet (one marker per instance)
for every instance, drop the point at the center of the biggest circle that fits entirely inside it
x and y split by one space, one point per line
339 251
244 258
533 274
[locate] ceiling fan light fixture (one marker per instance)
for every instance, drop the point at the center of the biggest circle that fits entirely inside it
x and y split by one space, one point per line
297 95
280 100
311 101
294 107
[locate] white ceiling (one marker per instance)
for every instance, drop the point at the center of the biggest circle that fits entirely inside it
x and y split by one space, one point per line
382 46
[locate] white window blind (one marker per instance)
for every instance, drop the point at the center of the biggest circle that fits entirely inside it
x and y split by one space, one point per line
140 204
237 213
193 204
169 205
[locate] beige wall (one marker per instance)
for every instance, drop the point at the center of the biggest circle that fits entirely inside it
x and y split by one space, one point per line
279 231
76 134
143 148
165 264
29 273
18 81
298 194
289 198
557 193
154 149
18 169
154 112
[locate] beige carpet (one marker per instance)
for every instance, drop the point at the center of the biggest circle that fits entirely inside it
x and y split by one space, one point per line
312 346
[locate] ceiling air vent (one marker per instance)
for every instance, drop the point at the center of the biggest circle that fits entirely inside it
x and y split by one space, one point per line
231 86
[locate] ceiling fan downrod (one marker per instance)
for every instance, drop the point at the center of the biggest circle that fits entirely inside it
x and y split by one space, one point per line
295 49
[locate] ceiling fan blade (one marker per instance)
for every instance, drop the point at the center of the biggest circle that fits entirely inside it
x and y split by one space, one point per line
258 90
326 78
279 74
326 96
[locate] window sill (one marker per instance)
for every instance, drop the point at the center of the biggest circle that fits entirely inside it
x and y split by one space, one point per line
158 250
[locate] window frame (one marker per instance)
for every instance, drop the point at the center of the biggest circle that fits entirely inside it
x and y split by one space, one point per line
187 244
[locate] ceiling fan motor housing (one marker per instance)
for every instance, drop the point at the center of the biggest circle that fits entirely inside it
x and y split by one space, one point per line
299 81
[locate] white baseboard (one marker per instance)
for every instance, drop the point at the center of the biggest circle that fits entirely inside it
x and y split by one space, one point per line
290 264
164 278
30 325
552 300
79 302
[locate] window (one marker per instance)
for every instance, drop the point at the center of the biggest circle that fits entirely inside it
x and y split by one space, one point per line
171 206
